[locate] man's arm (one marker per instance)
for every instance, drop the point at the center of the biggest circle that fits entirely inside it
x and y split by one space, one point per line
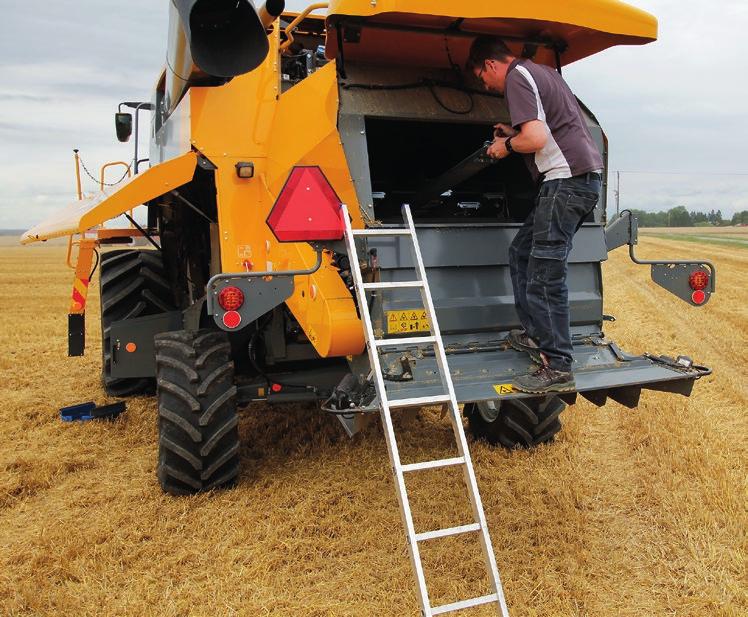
532 136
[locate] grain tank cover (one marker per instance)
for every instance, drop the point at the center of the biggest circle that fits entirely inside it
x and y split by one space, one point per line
383 31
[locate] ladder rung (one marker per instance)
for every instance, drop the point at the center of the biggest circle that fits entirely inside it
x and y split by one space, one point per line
456 606
449 531
394 285
395 231
401 342
420 402
444 462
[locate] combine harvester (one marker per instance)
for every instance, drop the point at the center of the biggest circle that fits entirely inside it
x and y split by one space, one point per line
284 149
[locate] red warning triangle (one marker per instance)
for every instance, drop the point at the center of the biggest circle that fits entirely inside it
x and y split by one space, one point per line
307 208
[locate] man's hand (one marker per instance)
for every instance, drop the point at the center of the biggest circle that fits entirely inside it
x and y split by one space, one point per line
504 130
497 150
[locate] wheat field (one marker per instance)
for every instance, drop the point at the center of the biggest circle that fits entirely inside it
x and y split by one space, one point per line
628 513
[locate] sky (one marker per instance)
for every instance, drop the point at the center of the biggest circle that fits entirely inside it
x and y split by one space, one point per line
675 111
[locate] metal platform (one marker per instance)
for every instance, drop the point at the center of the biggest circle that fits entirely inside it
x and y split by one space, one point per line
484 366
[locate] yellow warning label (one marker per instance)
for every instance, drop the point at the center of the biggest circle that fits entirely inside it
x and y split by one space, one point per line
503 388
411 320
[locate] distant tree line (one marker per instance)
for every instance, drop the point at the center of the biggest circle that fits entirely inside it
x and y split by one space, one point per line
681 217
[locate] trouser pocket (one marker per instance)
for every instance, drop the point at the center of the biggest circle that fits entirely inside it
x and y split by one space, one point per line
558 215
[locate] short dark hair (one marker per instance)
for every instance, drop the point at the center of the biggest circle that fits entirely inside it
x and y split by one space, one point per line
487 48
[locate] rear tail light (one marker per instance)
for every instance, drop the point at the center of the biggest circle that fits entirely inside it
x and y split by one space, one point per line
231 319
698 280
307 208
231 298
698 297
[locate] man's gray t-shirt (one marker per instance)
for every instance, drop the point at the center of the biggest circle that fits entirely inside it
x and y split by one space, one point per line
537 92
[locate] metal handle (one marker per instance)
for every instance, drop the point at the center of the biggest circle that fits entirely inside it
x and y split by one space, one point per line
656 262
292 26
112 164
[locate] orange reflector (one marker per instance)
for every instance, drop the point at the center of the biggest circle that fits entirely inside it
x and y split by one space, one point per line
698 297
698 280
232 319
131 347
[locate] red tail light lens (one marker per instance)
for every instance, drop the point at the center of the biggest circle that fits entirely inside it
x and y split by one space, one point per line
307 208
230 298
698 297
232 319
698 280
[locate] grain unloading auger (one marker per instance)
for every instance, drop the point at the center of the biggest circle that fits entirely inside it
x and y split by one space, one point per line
253 287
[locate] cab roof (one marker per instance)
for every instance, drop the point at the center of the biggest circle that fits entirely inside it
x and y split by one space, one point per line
413 31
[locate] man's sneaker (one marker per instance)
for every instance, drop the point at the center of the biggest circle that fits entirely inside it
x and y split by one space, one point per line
520 341
546 379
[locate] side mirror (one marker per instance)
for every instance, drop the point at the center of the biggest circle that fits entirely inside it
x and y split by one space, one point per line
123 124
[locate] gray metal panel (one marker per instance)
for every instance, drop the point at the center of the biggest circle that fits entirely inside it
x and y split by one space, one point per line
140 331
675 278
260 297
352 129
478 245
482 298
469 276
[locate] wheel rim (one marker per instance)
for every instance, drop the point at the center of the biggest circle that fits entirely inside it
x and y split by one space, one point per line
489 410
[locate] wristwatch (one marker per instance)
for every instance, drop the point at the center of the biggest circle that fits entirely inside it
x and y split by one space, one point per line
508 145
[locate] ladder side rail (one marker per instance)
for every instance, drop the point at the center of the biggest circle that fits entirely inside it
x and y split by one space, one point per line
392 448
457 426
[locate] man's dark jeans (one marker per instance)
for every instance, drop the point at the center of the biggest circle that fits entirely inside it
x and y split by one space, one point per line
538 263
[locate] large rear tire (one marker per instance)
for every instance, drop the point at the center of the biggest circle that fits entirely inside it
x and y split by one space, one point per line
516 423
132 283
198 422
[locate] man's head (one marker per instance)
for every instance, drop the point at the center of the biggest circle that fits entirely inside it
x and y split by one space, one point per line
489 61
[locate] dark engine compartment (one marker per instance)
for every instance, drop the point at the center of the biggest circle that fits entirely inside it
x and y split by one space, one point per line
406 156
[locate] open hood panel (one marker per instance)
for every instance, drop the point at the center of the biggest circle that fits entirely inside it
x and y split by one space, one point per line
413 31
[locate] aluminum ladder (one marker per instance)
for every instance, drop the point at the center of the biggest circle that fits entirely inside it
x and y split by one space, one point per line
448 398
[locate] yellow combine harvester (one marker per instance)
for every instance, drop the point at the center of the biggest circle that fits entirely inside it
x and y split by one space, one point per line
263 124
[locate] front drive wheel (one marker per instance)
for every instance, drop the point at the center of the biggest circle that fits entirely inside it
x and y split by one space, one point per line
198 441
515 423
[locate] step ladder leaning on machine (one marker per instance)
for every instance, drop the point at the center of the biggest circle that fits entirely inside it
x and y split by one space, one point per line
448 398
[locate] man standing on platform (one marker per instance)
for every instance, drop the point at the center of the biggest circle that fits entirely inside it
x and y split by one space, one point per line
549 131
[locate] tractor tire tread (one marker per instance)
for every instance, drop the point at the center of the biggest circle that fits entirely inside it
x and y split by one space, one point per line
519 423
131 284
198 422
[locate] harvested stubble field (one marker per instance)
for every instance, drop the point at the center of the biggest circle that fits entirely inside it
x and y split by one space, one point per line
630 512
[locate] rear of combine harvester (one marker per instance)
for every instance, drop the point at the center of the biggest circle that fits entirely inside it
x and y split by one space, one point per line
258 136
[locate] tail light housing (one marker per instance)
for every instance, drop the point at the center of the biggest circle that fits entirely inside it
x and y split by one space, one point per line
698 280
307 209
231 298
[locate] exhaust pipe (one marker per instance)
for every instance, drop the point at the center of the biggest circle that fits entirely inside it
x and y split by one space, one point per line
211 42
226 37
270 11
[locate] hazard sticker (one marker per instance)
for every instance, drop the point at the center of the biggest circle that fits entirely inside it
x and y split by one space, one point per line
403 322
503 388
